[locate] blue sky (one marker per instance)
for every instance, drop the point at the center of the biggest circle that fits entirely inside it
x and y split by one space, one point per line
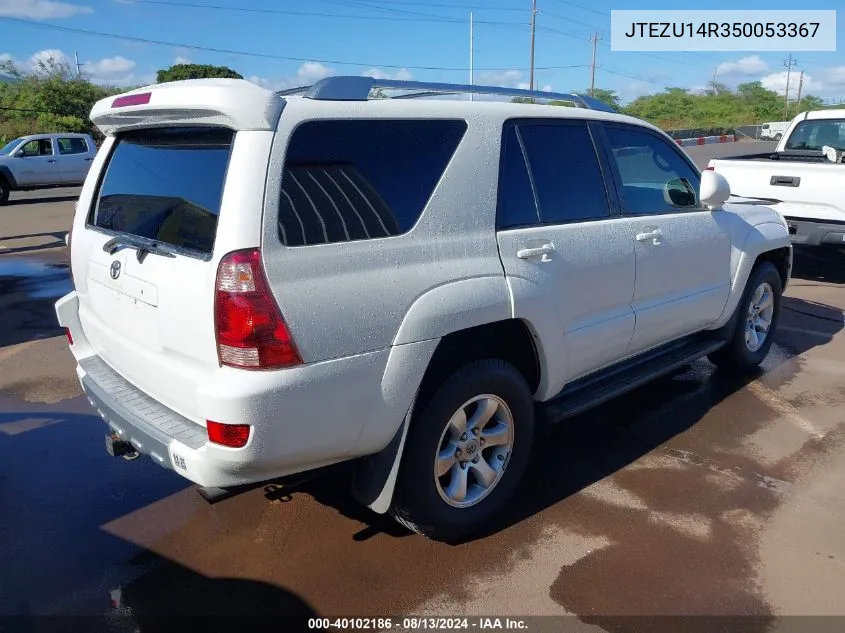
420 39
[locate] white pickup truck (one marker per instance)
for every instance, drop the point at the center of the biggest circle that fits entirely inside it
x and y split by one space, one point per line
44 160
803 179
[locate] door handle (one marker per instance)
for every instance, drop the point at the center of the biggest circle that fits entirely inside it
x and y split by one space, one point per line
541 251
654 235
785 181
51 160
89 159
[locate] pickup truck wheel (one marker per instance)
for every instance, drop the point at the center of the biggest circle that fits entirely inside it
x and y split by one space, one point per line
466 451
778 136
756 321
4 191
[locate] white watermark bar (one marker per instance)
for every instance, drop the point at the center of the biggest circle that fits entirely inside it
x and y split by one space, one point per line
722 30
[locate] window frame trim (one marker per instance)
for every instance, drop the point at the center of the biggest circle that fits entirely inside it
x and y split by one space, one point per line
593 131
617 176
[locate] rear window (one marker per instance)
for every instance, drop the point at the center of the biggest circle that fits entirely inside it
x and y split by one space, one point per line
165 185
361 179
814 135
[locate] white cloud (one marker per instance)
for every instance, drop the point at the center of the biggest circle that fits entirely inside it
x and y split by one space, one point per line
181 60
310 72
41 9
777 82
110 68
403 74
505 78
752 65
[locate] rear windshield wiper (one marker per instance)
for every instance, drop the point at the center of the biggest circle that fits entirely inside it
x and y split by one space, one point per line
142 246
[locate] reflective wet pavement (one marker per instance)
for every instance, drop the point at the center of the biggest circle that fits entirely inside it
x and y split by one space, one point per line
698 494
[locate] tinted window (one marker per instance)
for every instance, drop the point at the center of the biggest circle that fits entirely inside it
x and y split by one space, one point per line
655 177
566 172
814 135
41 147
166 185
355 180
517 206
72 146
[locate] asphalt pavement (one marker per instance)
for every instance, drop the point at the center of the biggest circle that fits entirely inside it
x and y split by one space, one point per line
698 495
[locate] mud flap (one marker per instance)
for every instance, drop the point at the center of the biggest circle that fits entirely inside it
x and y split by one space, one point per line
375 475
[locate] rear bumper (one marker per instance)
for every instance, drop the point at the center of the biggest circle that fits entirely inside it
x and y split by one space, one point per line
301 418
815 232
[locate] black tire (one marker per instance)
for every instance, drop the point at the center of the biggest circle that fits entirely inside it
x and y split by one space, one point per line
736 355
4 191
417 503
778 137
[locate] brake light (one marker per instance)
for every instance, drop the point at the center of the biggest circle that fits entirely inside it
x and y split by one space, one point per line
69 336
231 435
130 100
251 333
709 168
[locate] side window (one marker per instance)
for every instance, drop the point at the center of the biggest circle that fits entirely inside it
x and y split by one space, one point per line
40 147
655 177
516 204
566 173
72 146
361 179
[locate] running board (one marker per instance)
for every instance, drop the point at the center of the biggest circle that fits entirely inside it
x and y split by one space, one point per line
597 389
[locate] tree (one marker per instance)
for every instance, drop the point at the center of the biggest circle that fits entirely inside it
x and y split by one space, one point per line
195 71
47 98
811 102
608 97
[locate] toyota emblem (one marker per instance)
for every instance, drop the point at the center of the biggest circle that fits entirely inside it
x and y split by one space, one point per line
114 271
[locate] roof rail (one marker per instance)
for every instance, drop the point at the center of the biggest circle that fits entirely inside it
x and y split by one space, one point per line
352 88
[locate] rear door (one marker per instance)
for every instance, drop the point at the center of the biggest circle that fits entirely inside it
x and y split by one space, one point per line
683 253
74 158
567 254
150 314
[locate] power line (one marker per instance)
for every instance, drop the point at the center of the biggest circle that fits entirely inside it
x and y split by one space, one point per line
225 51
436 19
475 7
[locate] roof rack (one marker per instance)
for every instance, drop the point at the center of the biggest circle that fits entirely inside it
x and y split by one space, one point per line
352 88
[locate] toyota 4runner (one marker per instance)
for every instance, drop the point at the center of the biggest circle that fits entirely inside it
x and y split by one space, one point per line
269 283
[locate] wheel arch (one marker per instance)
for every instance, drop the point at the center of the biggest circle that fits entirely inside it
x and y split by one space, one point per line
7 175
508 339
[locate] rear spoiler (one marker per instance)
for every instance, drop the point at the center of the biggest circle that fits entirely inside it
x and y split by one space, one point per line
234 103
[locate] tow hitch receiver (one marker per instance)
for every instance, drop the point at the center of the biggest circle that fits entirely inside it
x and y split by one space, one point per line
116 447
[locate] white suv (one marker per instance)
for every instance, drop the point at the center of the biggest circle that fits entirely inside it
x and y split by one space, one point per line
270 283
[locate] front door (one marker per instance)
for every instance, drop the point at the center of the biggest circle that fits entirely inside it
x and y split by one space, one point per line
566 252
683 255
36 164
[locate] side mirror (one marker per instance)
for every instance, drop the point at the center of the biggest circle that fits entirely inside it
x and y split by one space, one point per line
679 192
20 154
715 190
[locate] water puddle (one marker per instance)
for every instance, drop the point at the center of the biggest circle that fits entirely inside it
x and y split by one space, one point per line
36 279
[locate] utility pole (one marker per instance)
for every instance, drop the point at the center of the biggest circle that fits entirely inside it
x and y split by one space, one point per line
715 89
78 65
595 40
471 56
789 63
533 25
800 85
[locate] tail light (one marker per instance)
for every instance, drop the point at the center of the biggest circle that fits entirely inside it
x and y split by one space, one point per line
231 435
710 166
69 336
251 333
